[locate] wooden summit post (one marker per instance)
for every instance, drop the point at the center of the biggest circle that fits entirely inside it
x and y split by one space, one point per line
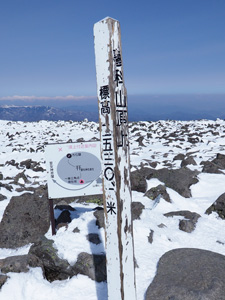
113 121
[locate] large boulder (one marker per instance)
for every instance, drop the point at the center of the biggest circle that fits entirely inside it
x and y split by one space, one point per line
179 180
25 219
54 267
188 221
219 161
138 181
218 206
92 265
214 166
189 274
159 190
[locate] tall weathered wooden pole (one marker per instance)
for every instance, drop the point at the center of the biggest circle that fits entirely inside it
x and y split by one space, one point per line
112 101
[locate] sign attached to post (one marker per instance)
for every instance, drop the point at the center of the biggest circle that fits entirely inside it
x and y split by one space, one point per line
73 169
113 119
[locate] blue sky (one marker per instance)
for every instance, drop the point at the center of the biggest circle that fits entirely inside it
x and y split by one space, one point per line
169 46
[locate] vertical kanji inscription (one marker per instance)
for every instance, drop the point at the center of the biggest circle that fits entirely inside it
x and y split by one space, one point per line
113 121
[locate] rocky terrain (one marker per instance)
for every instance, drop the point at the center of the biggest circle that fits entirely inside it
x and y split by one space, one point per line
178 192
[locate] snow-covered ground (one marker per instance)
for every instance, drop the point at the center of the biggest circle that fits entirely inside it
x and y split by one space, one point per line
150 142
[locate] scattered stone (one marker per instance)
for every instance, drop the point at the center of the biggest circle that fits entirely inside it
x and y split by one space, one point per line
219 161
64 217
93 266
12 163
136 210
179 180
64 207
161 225
218 206
188 161
189 274
153 164
6 186
99 215
150 237
29 164
154 192
138 181
60 225
15 264
18 177
94 238
187 225
2 197
76 230
140 141
3 279
210 167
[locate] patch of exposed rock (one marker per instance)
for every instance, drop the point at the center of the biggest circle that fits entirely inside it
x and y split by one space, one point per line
159 190
189 274
25 219
179 180
218 206
188 221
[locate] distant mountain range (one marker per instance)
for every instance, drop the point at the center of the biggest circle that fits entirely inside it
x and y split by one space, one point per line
37 113
140 108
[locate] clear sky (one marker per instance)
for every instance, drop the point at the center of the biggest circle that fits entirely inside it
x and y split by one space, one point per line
169 46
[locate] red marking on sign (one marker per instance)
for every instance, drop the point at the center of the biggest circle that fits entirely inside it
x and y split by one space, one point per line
60 149
81 181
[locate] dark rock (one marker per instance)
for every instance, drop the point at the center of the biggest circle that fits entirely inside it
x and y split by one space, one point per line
218 206
76 230
138 181
25 219
64 217
153 164
15 264
193 140
150 237
99 215
64 206
12 163
3 279
54 267
136 210
188 161
94 238
2 197
140 141
6 186
60 225
1 176
210 167
179 156
94 266
19 263
187 225
29 164
18 177
189 274
161 225
154 192
179 180
219 161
